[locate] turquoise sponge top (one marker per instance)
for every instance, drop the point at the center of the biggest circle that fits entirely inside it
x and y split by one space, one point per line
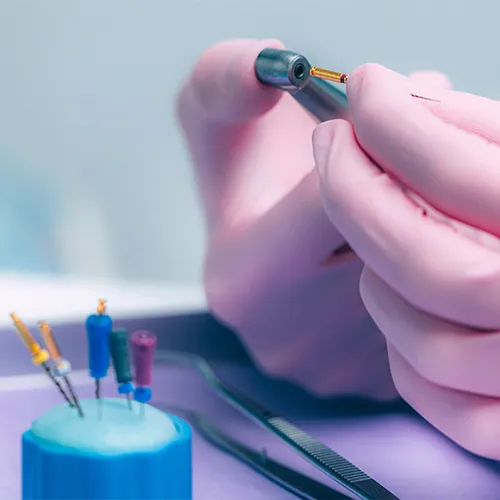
108 428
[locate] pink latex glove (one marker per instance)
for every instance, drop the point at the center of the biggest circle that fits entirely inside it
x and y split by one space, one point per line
432 284
270 272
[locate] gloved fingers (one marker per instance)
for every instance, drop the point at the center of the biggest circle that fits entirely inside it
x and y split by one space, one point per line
468 419
246 159
432 266
446 354
289 241
223 86
443 145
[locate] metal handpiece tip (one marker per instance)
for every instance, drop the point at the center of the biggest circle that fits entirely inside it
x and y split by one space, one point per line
291 72
282 69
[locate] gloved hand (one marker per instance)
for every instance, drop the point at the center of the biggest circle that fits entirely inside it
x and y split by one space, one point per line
271 272
432 275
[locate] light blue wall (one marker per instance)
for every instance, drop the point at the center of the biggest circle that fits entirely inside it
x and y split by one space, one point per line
86 95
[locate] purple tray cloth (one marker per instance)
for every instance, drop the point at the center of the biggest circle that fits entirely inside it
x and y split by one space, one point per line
397 448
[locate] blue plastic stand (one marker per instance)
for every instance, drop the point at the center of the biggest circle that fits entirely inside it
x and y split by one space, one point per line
52 474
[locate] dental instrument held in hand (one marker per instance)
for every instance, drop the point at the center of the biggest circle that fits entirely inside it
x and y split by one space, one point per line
292 72
307 84
329 462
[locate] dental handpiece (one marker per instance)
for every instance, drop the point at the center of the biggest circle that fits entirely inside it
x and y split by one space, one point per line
291 72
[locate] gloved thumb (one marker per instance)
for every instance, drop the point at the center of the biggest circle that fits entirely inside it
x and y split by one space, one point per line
223 86
343 167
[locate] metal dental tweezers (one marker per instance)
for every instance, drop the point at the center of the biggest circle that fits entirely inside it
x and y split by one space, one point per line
292 480
321 456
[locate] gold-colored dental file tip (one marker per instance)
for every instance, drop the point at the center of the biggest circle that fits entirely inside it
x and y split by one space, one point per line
326 74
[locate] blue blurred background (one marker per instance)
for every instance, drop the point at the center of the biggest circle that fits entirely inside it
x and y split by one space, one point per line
94 177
